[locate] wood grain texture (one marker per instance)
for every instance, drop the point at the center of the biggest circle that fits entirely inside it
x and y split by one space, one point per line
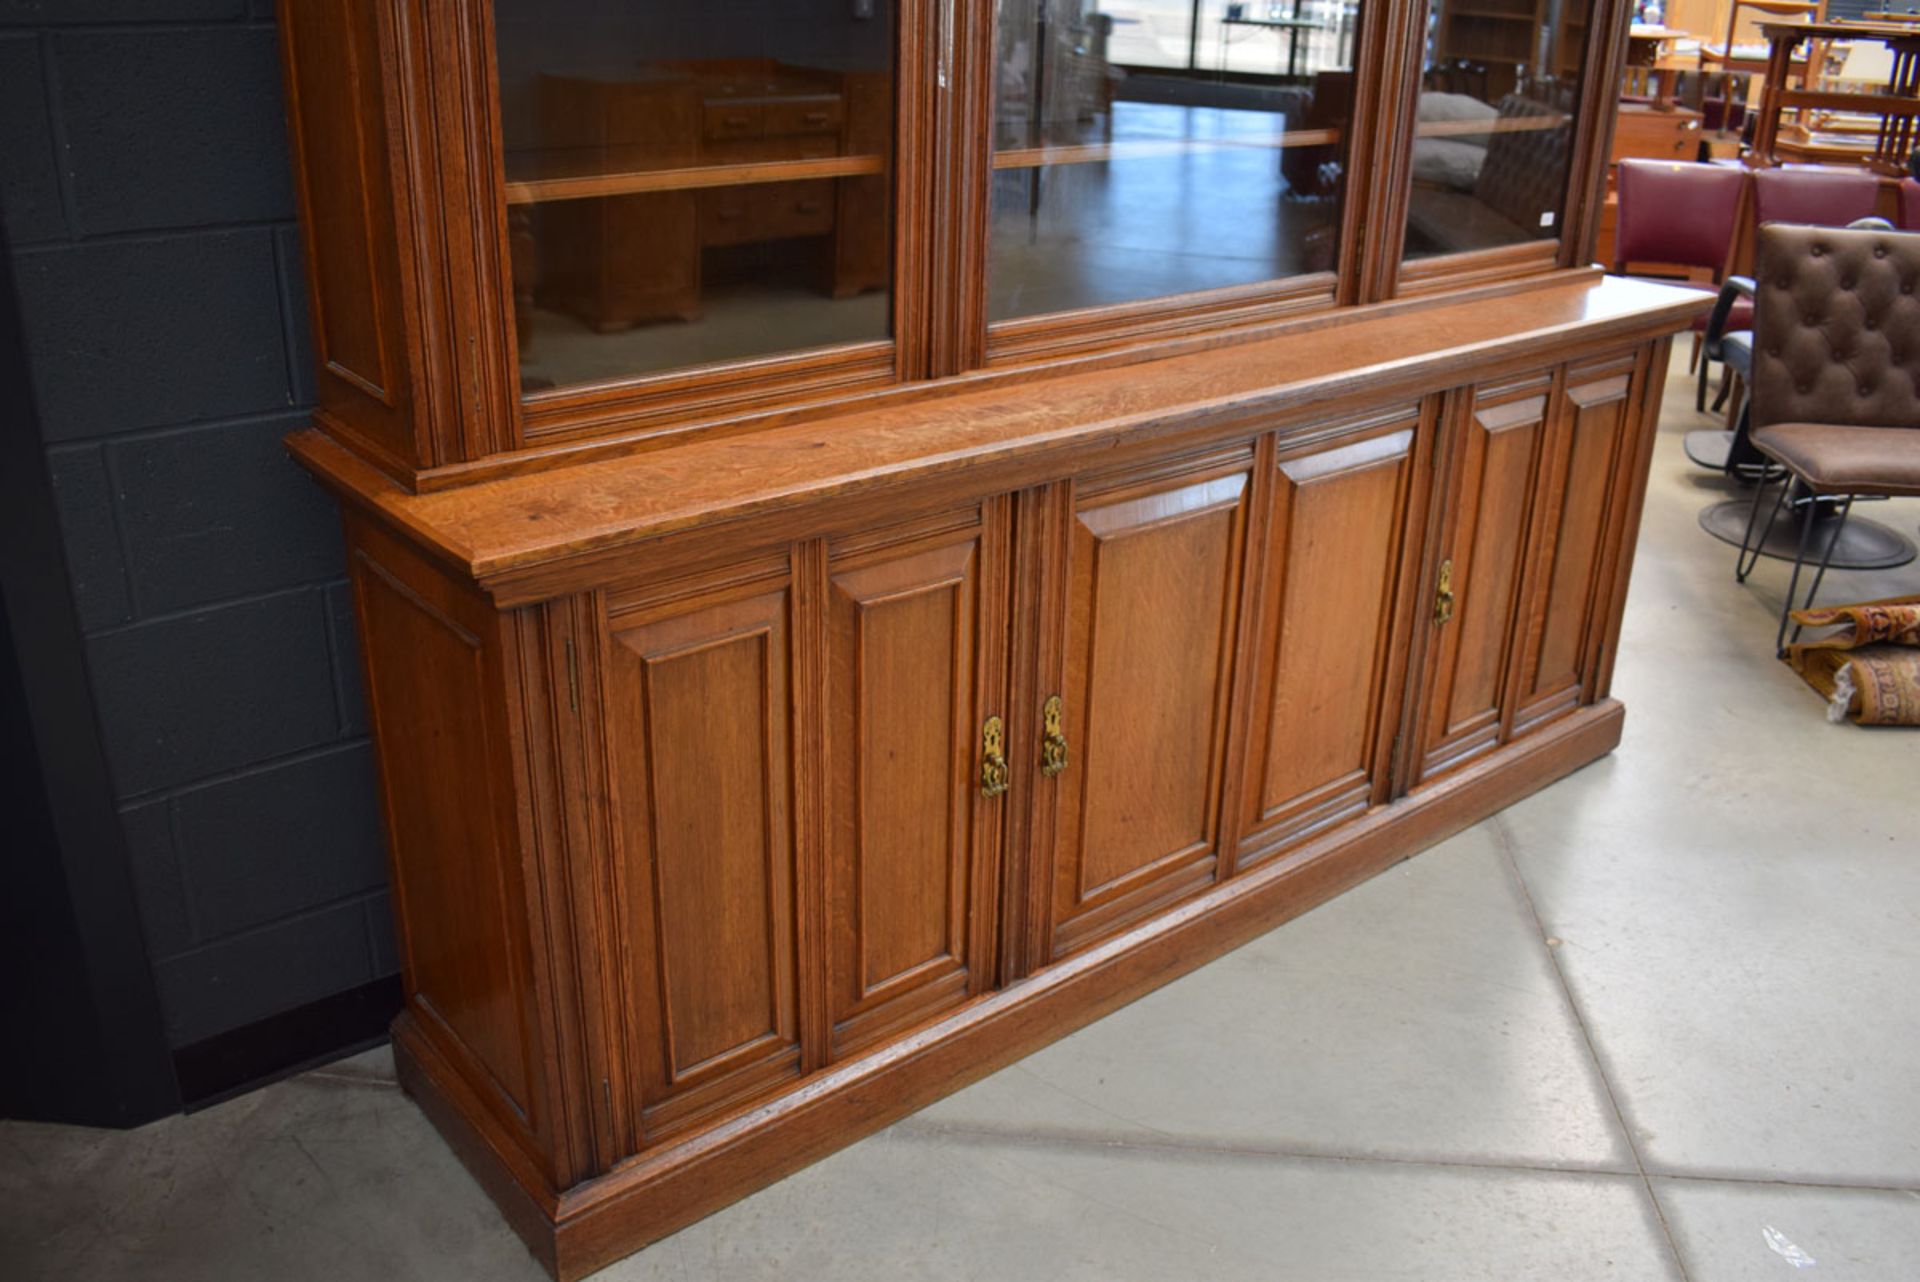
1331 610
1154 585
700 717
1593 419
912 857
339 109
519 535
1496 448
437 700
596 1223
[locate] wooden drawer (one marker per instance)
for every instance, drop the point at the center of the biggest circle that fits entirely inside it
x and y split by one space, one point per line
727 216
720 121
821 115
765 211
796 209
1644 133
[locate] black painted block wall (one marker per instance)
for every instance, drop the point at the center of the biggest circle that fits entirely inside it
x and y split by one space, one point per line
145 190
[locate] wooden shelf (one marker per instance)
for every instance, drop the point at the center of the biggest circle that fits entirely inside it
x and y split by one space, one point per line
580 186
1105 152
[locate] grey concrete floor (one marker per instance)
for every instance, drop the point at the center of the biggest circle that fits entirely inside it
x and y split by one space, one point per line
1661 1020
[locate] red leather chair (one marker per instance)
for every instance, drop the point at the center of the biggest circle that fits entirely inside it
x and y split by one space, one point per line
1814 197
1683 214
1909 205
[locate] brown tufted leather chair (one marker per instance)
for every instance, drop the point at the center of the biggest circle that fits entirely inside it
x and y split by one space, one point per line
1836 374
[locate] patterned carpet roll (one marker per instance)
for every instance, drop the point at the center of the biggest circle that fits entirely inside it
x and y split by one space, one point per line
1869 670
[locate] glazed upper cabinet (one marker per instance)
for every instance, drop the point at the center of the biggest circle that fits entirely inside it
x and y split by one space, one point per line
583 224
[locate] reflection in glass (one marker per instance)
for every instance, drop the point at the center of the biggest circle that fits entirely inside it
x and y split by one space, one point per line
1146 148
691 181
1494 131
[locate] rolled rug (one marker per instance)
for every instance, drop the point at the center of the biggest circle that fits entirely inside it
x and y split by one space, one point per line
1868 670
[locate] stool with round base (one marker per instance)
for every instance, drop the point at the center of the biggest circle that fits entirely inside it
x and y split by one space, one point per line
1861 545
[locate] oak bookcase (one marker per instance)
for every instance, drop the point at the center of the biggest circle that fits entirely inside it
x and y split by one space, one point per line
776 741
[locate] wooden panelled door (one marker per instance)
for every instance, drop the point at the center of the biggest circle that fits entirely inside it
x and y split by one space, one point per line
916 662
1333 612
1152 591
825 699
1577 536
700 734
1495 438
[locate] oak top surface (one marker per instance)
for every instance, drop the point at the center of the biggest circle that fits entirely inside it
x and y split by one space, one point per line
516 523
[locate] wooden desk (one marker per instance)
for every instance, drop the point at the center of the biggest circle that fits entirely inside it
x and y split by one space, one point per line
668 164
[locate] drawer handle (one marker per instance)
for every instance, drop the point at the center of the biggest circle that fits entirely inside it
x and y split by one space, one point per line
734 122
730 215
1053 740
994 775
1443 599
808 206
817 117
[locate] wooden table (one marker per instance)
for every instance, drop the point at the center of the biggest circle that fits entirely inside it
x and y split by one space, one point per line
1897 107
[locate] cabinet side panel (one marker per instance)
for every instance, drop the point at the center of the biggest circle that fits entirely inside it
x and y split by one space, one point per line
1334 571
458 892
337 113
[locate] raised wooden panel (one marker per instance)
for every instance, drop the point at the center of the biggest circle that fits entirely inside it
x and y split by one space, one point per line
1333 579
701 737
1580 483
1153 597
1495 458
338 116
435 693
910 862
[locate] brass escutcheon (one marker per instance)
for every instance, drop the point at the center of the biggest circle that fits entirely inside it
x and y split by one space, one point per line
1053 740
994 775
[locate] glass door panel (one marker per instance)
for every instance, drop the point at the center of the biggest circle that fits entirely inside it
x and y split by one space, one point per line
1124 172
692 181
1493 136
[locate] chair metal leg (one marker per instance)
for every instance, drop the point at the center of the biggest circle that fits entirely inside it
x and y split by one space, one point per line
1826 557
1749 548
1793 584
1700 388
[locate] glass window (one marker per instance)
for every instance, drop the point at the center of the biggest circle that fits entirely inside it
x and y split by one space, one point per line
1493 136
1144 149
692 181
